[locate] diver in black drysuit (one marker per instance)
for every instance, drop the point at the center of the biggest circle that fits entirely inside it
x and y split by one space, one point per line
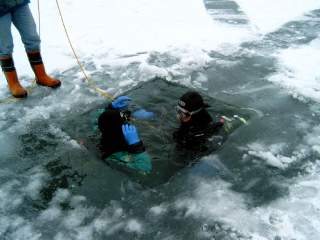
120 142
113 137
196 126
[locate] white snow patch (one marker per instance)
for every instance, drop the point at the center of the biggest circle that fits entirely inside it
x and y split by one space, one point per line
271 154
134 226
36 182
10 198
76 217
65 138
85 233
299 71
50 214
158 210
61 196
313 139
25 231
268 16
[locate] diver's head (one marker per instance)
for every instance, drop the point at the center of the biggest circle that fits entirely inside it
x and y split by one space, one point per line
114 119
189 104
125 116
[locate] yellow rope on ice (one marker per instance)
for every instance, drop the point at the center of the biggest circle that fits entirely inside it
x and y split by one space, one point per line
90 82
88 79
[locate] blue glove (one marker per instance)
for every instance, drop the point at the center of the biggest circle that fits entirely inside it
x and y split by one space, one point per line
130 134
143 114
121 102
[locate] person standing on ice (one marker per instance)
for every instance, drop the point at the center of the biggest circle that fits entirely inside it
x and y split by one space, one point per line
18 13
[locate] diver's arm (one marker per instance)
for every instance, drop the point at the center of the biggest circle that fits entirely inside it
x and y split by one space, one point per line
214 127
219 124
130 133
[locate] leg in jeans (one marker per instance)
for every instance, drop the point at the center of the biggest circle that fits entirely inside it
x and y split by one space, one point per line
6 41
24 22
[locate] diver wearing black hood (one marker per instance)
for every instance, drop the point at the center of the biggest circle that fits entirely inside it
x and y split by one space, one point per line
196 124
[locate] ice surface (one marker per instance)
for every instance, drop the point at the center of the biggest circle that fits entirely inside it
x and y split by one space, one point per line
132 41
134 226
299 71
112 28
271 154
292 217
157 210
268 16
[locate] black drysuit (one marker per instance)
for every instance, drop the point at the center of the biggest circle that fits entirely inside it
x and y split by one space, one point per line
192 137
112 140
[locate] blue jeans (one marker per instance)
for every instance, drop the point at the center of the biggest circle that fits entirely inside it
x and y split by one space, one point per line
24 22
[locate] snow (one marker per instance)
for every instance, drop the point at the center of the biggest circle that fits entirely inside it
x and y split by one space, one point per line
299 71
106 32
268 16
103 30
271 154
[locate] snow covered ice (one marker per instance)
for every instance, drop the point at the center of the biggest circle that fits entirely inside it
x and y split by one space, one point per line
263 183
